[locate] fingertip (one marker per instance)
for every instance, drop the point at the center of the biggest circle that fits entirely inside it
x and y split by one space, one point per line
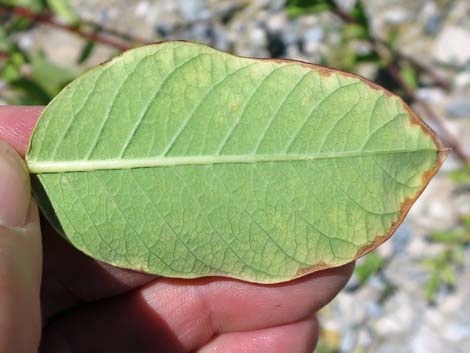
16 125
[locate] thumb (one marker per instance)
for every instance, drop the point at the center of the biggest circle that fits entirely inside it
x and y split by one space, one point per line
20 257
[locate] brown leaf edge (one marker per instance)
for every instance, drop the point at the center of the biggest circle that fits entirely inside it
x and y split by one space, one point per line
441 151
324 71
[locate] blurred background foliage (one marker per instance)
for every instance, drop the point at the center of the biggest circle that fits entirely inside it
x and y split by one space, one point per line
31 77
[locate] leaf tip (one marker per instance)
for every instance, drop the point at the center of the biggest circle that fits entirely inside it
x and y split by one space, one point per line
441 154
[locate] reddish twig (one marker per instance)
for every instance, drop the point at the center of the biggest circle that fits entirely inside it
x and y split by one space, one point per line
49 20
449 138
437 79
394 71
113 32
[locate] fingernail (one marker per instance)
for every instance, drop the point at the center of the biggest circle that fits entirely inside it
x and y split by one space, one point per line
15 189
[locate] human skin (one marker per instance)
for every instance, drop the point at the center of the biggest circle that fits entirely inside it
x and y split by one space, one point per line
85 306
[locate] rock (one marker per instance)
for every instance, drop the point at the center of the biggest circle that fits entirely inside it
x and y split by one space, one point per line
396 15
364 339
258 37
367 70
313 40
147 11
432 24
462 81
192 9
346 5
457 332
459 108
462 202
277 22
401 238
221 39
431 17
434 210
313 35
354 314
430 95
374 310
402 315
348 341
386 249
452 46
428 341
25 42
290 34
142 8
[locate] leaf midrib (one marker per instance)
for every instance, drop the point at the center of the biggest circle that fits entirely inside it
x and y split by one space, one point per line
37 167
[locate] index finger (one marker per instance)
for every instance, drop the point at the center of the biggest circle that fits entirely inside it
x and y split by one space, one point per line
16 125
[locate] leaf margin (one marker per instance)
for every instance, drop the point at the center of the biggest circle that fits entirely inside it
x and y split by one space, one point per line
406 204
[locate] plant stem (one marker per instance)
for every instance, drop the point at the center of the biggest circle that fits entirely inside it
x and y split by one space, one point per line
393 69
437 79
449 138
49 20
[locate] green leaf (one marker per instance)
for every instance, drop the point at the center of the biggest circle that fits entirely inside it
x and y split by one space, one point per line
392 38
461 176
51 77
409 76
370 264
360 15
5 43
458 236
33 5
441 271
9 72
63 9
353 31
86 51
28 92
184 161
303 7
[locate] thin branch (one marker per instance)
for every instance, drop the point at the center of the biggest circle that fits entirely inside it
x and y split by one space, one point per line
449 138
49 20
437 79
343 15
380 46
113 32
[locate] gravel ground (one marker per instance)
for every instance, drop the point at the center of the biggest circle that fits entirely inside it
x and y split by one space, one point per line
368 318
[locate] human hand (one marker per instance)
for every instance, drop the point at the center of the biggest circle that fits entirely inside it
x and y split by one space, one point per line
88 306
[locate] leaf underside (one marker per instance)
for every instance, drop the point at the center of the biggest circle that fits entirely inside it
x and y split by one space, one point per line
183 161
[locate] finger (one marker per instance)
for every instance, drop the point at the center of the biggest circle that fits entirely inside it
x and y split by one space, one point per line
120 325
16 125
297 337
218 305
20 257
71 277
187 314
